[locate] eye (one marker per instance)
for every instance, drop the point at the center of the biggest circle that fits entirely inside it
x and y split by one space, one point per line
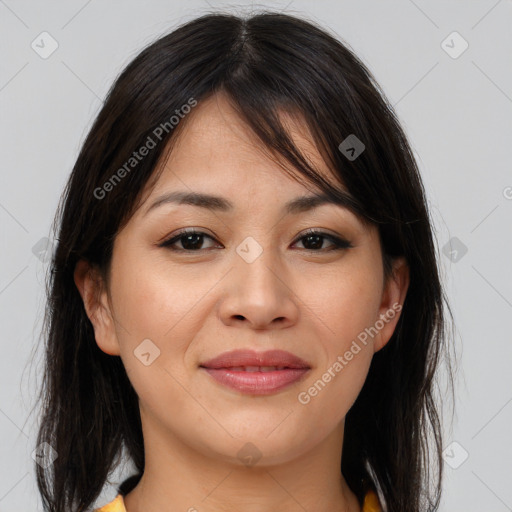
313 240
191 240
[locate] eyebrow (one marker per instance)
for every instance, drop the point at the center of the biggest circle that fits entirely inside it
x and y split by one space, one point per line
217 203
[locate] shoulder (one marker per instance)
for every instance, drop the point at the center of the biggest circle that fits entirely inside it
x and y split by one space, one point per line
116 505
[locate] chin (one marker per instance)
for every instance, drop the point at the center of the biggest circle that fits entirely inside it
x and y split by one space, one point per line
256 448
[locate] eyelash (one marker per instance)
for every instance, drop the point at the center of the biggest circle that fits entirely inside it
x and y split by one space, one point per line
339 243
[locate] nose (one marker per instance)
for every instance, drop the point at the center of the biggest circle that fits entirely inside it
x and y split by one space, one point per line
259 295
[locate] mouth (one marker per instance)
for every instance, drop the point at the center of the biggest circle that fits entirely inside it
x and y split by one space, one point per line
256 373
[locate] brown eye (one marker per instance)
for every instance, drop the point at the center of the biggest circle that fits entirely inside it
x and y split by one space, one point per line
190 240
313 240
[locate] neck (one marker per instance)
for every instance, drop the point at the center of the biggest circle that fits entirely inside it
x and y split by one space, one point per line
180 477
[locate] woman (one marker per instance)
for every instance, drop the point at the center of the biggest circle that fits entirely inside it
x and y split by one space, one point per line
245 295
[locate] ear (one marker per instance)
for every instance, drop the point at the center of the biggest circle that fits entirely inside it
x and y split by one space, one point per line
94 295
393 297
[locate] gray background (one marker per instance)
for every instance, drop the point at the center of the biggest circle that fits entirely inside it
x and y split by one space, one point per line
456 112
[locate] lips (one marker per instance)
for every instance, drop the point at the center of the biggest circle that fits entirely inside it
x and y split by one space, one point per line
256 373
249 359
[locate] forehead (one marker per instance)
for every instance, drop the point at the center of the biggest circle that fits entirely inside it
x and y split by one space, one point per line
215 148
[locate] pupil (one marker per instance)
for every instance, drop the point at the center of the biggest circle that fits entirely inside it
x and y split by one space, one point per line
317 238
192 245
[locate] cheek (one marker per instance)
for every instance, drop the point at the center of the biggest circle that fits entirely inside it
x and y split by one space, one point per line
346 307
151 296
153 305
343 368
159 302
345 301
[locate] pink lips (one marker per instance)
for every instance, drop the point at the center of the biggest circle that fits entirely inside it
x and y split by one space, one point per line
256 373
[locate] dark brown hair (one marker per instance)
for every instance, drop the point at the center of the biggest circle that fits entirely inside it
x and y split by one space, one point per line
266 63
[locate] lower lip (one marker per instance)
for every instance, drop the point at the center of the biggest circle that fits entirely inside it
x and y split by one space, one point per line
257 383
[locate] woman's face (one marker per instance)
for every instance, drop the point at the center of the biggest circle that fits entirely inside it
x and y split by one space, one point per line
252 280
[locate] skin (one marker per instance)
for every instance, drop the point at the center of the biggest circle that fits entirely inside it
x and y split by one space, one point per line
312 302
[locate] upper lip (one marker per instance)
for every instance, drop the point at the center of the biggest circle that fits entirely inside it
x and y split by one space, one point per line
247 357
